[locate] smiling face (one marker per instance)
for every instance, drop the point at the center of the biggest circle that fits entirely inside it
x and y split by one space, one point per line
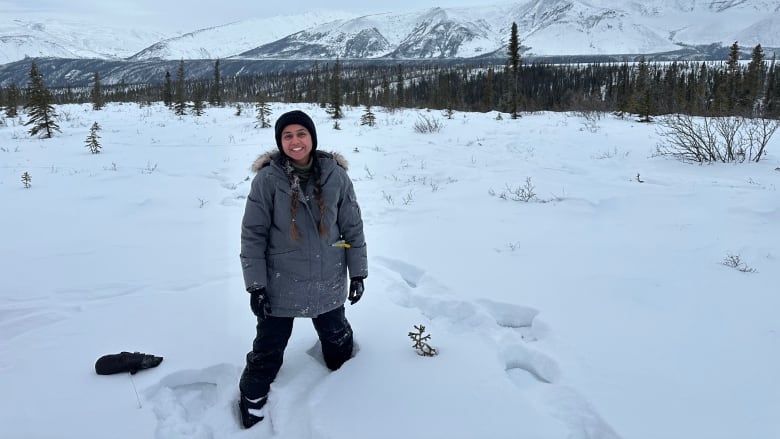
297 143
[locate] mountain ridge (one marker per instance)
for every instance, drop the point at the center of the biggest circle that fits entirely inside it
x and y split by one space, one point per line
546 28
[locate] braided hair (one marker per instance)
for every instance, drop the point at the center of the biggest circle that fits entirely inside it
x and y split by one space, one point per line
297 192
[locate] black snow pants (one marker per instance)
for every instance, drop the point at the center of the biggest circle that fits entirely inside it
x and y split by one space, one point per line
265 359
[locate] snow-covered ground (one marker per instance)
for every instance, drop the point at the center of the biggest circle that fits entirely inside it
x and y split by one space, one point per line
599 309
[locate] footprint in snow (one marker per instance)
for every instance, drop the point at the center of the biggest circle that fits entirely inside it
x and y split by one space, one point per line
513 327
192 403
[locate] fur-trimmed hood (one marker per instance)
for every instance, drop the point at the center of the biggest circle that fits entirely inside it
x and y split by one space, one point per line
266 158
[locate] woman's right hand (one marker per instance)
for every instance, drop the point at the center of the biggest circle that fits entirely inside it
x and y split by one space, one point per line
258 302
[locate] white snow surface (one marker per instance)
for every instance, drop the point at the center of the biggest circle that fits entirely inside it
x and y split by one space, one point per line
599 310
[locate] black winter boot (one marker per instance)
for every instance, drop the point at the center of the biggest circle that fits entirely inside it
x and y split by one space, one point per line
251 410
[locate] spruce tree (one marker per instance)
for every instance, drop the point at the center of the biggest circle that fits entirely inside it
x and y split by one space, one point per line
97 94
728 84
26 180
315 86
215 91
754 78
180 98
368 117
12 101
167 94
400 89
487 90
92 141
771 101
197 101
39 106
263 110
334 107
513 63
642 97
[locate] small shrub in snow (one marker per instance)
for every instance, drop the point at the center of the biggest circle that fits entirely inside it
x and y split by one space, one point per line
369 174
26 179
421 345
523 193
149 168
735 262
427 124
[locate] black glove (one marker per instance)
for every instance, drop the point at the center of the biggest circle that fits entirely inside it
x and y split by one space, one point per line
126 362
355 289
258 301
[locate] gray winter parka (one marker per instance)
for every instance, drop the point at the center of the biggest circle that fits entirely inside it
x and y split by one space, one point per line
308 276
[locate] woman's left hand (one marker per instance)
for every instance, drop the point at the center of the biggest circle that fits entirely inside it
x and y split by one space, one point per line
355 289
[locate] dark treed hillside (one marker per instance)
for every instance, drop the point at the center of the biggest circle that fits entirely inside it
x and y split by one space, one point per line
645 88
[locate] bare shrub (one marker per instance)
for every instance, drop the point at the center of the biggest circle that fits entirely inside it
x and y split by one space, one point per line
715 139
735 262
758 131
427 124
523 193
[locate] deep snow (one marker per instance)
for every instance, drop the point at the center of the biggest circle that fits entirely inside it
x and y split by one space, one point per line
601 309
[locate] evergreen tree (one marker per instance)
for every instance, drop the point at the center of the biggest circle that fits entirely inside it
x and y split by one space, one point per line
215 91
39 106
368 117
197 101
771 101
642 96
513 63
334 107
754 78
167 94
487 90
700 97
92 141
12 102
97 93
314 89
400 89
729 82
263 110
180 98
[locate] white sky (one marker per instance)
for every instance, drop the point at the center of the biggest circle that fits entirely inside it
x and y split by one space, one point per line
197 14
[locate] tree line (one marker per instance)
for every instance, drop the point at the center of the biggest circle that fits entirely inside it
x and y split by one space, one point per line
647 89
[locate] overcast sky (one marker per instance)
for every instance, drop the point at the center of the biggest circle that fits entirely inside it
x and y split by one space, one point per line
193 14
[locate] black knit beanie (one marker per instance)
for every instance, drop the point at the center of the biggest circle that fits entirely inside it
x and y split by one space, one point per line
293 117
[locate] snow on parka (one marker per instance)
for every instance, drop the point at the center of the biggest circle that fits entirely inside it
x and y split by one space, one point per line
308 276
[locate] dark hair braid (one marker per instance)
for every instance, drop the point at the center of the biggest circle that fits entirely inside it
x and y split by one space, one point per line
295 186
318 196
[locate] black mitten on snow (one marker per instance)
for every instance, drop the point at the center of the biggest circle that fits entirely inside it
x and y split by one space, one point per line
355 289
259 303
126 362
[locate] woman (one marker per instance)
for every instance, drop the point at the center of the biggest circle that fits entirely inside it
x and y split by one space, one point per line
302 233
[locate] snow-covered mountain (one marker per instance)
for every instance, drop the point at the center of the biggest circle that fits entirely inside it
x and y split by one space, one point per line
227 40
58 38
546 27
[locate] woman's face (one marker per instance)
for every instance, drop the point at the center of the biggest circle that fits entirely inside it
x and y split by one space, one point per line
296 143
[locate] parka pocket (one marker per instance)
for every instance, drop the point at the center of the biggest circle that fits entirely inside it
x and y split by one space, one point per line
290 265
334 263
